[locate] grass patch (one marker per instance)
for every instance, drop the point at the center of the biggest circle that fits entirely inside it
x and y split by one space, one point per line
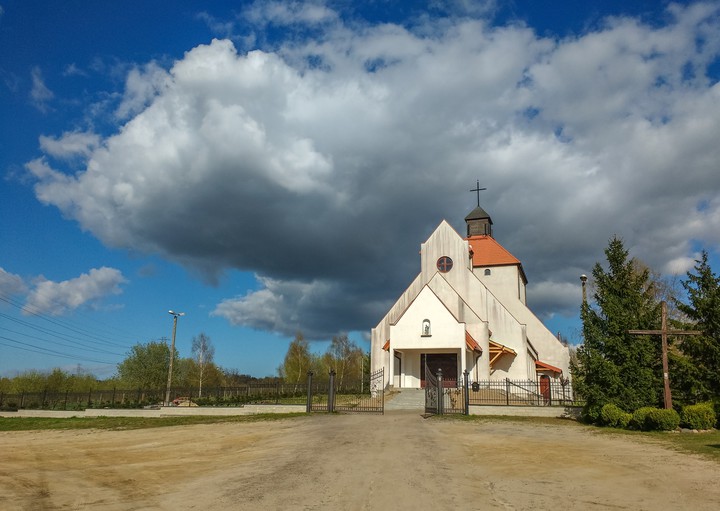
127 423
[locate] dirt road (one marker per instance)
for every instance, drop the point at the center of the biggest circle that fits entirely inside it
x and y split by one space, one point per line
349 462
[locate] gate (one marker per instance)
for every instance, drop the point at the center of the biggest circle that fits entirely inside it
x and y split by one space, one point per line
445 396
366 396
432 391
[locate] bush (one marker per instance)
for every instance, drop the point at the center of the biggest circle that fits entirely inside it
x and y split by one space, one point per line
701 416
613 416
638 417
590 414
662 420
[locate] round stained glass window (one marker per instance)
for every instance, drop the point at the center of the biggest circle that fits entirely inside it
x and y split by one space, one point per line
444 264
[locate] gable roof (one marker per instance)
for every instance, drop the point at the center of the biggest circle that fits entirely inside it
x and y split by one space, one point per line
486 251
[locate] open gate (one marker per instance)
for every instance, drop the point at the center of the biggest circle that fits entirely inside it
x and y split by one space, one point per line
365 396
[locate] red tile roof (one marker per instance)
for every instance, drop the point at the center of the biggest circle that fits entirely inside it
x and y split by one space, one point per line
542 366
472 343
488 252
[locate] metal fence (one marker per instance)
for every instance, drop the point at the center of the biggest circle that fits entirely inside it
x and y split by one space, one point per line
523 393
251 393
364 395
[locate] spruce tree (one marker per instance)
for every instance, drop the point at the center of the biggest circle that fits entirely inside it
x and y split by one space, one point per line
612 365
703 310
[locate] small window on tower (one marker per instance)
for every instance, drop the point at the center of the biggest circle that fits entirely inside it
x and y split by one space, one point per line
487 272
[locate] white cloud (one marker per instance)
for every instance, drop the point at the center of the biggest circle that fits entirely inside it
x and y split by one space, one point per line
289 13
11 284
323 163
141 86
58 298
40 94
70 144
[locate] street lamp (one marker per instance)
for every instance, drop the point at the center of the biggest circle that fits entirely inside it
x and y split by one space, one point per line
175 315
583 279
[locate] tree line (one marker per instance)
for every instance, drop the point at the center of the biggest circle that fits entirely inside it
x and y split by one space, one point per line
612 366
350 363
144 367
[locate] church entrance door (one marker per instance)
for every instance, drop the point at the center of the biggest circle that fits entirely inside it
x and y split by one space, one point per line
445 361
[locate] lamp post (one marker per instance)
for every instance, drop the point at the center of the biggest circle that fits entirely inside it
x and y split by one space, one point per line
175 315
583 279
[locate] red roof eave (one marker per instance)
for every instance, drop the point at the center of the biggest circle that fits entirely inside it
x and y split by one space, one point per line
542 366
472 343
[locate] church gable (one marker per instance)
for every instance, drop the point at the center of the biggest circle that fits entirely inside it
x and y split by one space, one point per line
444 251
427 324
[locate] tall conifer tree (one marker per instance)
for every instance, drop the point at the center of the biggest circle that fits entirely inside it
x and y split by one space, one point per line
703 309
613 366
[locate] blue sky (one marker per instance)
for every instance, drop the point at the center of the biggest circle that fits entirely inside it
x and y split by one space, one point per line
269 167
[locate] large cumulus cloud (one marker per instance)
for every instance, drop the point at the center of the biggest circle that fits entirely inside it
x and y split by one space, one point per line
321 163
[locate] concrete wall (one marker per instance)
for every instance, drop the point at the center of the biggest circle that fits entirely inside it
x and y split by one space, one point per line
567 412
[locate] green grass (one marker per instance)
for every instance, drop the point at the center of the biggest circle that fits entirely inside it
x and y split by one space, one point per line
126 423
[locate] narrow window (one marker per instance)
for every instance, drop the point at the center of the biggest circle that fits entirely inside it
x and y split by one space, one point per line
426 328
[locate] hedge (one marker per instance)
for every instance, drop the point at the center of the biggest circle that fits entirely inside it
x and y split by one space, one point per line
700 416
613 416
662 420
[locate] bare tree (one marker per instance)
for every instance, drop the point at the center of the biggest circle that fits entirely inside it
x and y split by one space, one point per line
203 352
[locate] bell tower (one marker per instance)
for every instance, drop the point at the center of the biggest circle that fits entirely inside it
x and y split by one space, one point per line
478 221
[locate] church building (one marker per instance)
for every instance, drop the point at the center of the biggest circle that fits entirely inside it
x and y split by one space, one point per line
466 310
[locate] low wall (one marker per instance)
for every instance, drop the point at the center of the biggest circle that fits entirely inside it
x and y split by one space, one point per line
566 412
164 411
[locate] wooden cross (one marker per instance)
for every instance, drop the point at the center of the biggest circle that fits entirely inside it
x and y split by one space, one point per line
478 190
664 332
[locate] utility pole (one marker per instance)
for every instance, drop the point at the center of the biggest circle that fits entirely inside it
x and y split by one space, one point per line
663 333
172 354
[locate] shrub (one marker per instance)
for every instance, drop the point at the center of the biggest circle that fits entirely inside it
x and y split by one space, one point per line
591 414
611 415
638 417
662 420
700 416
624 420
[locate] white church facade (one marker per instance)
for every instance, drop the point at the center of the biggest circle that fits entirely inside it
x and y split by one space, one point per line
466 310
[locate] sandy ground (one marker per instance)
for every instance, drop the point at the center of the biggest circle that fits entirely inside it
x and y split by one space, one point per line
350 462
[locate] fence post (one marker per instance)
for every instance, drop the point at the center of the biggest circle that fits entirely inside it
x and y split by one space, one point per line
308 408
466 391
549 392
507 392
277 392
441 394
65 403
331 391
89 398
22 399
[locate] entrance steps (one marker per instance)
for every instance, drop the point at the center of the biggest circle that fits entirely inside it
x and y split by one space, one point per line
405 399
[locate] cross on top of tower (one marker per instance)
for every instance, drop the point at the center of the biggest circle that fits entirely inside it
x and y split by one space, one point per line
477 189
